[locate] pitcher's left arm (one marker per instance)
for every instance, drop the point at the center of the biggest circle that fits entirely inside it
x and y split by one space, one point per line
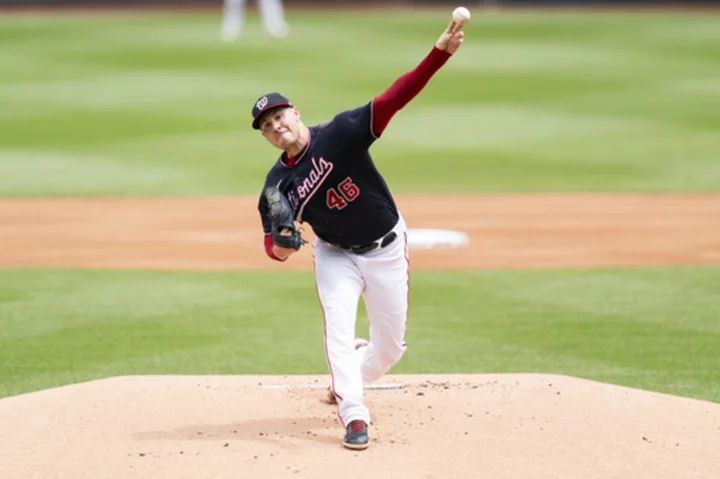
405 88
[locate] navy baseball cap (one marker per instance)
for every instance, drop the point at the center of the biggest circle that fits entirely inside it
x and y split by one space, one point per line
266 103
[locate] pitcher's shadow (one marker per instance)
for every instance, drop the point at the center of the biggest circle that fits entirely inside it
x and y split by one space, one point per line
282 431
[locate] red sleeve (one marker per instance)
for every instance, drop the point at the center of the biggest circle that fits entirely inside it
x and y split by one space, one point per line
269 248
405 89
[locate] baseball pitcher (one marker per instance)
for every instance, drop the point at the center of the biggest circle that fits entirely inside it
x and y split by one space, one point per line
326 177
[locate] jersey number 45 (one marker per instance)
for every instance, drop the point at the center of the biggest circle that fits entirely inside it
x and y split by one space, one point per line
345 193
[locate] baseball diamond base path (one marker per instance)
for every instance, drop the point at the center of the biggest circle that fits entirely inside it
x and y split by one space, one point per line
453 426
506 231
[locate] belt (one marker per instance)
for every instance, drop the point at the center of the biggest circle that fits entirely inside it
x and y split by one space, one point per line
362 249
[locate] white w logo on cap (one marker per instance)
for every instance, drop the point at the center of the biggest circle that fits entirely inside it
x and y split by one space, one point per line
262 103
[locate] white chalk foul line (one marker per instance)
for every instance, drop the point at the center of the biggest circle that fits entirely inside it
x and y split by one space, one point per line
321 386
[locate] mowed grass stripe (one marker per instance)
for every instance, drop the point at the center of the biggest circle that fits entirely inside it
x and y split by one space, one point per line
533 102
654 328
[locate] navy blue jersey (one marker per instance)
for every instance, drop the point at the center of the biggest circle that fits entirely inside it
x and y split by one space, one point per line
334 185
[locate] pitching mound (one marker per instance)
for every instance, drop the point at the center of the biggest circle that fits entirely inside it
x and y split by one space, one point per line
499 426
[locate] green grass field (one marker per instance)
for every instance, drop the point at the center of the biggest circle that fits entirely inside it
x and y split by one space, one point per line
119 104
157 104
655 329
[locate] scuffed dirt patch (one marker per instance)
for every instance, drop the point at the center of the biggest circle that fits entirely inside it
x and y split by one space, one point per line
506 231
499 426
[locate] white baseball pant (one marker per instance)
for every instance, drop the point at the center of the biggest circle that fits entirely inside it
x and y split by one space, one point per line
381 277
271 12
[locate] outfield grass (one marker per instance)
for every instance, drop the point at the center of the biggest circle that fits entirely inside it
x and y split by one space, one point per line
655 329
156 104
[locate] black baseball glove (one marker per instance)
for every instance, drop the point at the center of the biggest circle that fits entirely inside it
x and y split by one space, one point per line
282 221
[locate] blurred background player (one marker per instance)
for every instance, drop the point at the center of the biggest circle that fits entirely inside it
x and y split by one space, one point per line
272 15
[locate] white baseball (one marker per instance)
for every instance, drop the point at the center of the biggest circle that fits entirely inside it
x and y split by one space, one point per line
461 15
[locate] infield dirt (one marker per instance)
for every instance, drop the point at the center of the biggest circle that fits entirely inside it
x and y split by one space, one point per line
450 426
506 232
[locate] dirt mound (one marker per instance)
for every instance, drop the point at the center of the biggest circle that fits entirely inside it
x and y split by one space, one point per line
499 426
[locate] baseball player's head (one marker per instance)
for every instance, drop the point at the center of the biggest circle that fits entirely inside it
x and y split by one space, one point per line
278 120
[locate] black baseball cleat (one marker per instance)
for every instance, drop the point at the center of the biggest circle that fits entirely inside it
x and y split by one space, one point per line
331 399
357 435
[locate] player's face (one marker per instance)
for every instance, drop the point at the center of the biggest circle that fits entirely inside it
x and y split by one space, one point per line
281 127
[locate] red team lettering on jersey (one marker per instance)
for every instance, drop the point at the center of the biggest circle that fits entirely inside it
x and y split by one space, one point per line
320 171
